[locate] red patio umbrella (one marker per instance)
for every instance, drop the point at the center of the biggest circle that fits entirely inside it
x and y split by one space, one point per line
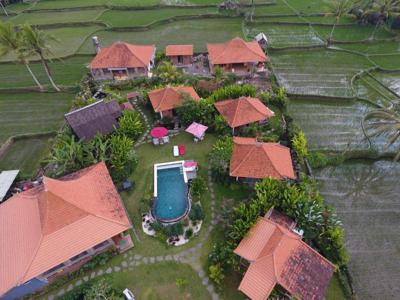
159 132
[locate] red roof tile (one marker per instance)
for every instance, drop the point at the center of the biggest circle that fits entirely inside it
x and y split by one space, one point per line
123 55
175 50
279 256
47 225
242 111
252 159
235 51
171 97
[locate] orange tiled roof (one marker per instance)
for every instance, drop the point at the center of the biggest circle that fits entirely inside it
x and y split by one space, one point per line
277 255
170 97
242 111
175 50
252 159
47 225
235 51
123 55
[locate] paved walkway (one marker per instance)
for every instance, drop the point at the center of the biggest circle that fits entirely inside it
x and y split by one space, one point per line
189 256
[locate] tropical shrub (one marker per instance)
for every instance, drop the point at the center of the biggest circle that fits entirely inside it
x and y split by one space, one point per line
198 186
102 289
299 145
123 159
167 73
188 233
130 124
201 112
278 98
220 157
181 283
232 92
317 160
196 213
216 274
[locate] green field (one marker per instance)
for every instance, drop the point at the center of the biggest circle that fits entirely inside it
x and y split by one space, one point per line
67 72
197 32
27 113
117 18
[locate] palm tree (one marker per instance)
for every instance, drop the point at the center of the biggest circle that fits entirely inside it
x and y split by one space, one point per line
4 9
384 8
384 122
36 42
337 8
11 42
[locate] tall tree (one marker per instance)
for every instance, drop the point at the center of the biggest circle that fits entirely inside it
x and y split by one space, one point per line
384 122
11 42
36 42
337 8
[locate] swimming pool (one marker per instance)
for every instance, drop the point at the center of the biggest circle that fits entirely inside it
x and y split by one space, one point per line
171 201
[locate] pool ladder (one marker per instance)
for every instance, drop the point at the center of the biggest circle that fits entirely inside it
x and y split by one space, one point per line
181 170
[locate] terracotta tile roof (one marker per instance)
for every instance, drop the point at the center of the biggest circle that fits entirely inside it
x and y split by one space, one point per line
175 50
242 111
99 117
47 225
123 55
235 51
279 256
171 97
252 159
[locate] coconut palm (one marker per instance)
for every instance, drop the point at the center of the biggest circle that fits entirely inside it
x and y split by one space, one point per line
36 42
11 43
3 7
384 122
337 8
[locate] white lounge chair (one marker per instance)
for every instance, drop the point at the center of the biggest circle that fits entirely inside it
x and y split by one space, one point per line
175 150
128 294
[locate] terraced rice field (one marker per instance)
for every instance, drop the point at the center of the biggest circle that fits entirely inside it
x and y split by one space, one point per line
365 196
300 71
196 32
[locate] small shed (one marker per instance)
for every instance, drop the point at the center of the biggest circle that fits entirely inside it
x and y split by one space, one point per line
262 39
180 55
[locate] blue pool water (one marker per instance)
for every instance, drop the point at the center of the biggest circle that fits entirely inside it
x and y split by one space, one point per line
172 201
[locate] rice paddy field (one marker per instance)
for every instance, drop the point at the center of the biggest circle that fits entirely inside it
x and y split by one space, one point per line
327 99
365 195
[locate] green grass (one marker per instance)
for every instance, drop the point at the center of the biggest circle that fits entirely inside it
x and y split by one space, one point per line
374 48
335 291
42 18
309 6
53 4
143 176
352 32
66 72
25 113
25 155
280 8
159 282
145 17
17 7
389 62
197 32
307 19
69 40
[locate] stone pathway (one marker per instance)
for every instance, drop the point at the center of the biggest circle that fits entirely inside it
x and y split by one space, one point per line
189 256
143 139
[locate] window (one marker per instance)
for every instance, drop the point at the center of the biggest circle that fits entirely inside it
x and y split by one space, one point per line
106 71
76 257
98 246
52 270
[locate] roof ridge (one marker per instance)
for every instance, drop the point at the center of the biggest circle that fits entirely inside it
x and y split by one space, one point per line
164 95
247 46
236 110
128 46
270 160
256 107
244 158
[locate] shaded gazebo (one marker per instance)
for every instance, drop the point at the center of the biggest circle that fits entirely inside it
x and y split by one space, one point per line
197 130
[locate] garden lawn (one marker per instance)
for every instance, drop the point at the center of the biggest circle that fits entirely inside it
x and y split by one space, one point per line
317 72
148 155
117 18
197 32
43 18
27 113
25 155
158 281
365 195
69 40
66 72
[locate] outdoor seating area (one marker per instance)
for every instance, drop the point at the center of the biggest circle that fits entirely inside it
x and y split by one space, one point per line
159 135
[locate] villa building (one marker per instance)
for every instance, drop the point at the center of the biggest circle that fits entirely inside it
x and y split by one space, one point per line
275 254
252 160
99 117
165 100
180 55
243 111
237 56
123 61
54 228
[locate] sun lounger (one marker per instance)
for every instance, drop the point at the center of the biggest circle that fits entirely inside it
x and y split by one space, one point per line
181 150
175 150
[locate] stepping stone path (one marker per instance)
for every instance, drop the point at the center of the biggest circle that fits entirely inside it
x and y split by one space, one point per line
189 256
